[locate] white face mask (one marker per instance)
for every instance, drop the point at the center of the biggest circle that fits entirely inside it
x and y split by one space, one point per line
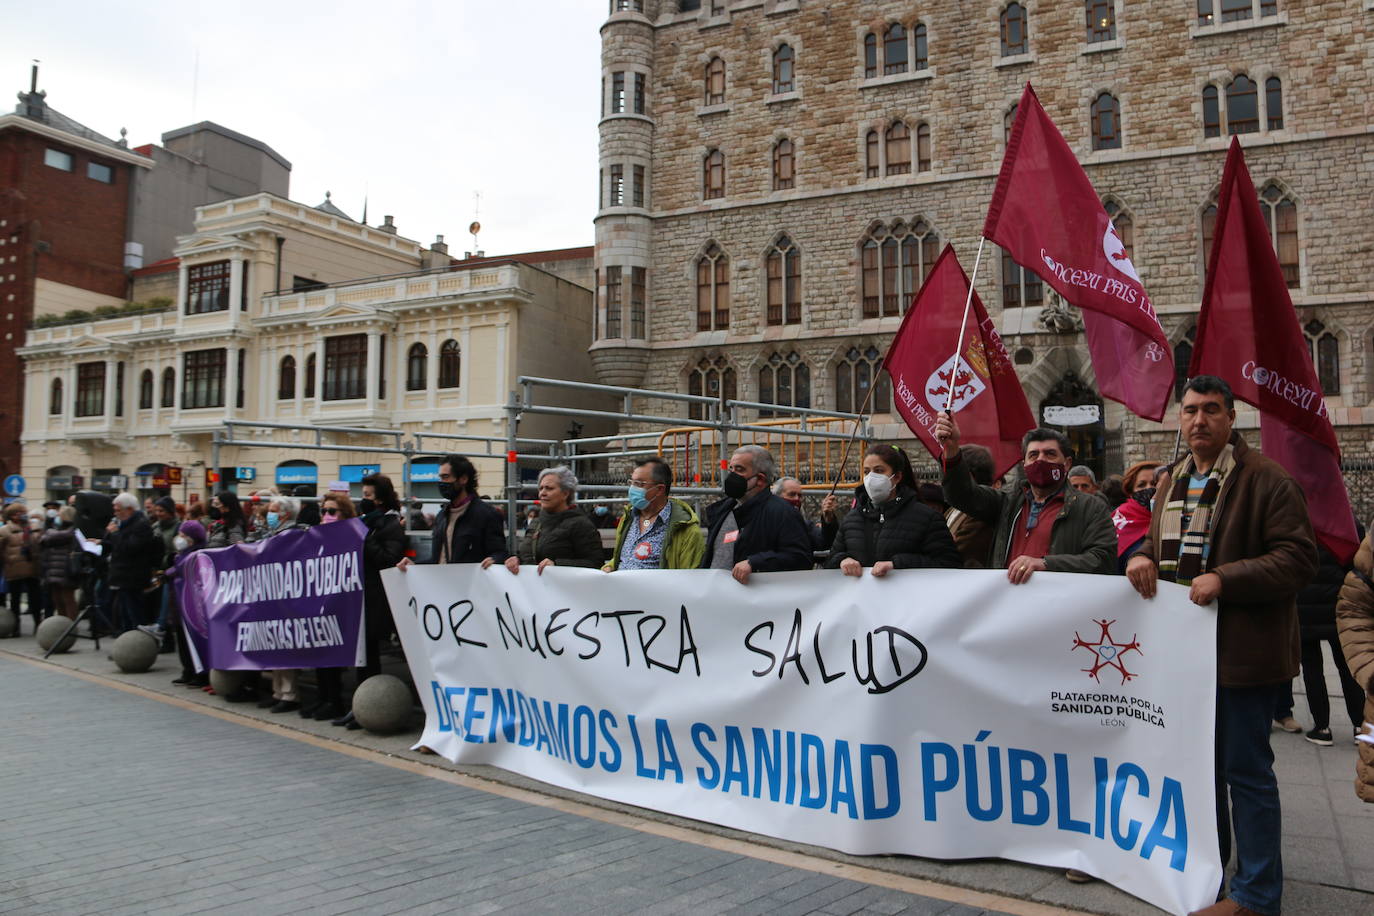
52 513
181 542
879 486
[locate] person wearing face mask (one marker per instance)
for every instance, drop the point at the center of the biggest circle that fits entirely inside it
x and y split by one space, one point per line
281 516
59 563
228 525
890 527
822 532
467 529
1039 522
189 538
1132 518
752 530
656 530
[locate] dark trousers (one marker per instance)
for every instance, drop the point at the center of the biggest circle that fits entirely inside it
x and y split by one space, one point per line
127 604
1314 679
1245 767
32 588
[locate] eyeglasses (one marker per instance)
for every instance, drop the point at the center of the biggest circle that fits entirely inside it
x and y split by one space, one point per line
646 484
329 511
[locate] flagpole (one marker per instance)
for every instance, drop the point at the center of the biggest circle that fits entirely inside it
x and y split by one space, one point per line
844 456
963 325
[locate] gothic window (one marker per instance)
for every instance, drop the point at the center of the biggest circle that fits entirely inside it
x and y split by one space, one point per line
894 49
923 147
895 262
1183 356
783 265
1008 121
1242 106
855 373
1281 219
417 367
784 165
450 362
145 390
1234 10
1209 230
1273 103
1101 15
169 387
638 296
870 56
713 290
55 398
618 92
1021 288
715 82
614 309
617 198
1124 225
922 55
639 186
1014 37
783 61
784 381
1211 112
713 175
1106 118
871 161
897 147
1325 351
712 378
639 93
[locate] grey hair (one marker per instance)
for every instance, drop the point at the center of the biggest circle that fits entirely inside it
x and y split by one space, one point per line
126 501
287 506
763 460
777 485
567 480
1082 470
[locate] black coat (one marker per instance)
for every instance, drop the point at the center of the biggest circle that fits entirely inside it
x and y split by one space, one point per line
479 533
773 536
568 538
903 530
383 547
134 552
1317 599
55 549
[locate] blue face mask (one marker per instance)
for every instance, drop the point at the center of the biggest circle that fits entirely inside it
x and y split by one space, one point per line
273 519
638 499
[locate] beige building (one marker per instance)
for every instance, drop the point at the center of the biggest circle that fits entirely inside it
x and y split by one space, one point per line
778 175
297 315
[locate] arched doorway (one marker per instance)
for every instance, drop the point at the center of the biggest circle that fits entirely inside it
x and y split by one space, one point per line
1074 409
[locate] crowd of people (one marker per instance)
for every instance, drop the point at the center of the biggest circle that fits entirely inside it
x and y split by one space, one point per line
1224 521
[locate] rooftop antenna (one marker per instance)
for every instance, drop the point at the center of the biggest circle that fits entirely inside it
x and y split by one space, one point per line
476 227
33 79
364 205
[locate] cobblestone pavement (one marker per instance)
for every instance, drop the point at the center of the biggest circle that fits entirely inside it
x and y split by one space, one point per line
111 803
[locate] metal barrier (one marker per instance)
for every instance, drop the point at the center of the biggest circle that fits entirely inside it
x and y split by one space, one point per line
690 451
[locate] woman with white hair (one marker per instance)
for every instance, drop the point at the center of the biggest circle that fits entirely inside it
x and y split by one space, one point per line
280 517
562 535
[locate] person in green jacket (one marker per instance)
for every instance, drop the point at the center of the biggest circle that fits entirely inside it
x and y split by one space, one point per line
656 531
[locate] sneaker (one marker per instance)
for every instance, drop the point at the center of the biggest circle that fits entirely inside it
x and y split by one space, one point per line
1320 736
1288 724
1073 874
153 630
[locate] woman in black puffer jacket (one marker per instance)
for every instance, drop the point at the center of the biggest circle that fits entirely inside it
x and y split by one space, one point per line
563 535
889 527
1317 619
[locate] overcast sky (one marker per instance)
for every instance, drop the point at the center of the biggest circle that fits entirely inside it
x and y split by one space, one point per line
415 105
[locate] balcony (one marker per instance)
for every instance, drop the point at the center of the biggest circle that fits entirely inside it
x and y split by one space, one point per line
431 287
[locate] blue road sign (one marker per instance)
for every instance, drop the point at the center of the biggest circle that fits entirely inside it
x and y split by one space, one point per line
14 485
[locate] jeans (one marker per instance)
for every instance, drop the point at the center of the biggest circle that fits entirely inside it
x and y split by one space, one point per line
1245 765
127 605
1283 706
164 616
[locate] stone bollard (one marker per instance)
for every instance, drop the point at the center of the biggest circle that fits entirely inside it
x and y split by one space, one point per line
135 651
382 704
50 631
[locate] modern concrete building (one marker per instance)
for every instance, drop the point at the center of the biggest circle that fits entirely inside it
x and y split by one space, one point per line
297 315
778 175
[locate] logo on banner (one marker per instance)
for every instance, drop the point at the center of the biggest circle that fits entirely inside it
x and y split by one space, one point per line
1107 651
1115 250
958 375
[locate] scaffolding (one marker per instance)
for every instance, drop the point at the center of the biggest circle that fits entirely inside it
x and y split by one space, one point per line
807 443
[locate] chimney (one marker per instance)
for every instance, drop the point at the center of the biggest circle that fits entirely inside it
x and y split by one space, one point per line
437 256
439 245
387 225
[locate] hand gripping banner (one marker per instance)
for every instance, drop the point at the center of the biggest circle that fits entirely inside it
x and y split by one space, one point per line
939 713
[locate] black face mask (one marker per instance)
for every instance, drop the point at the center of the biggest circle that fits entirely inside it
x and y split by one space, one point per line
366 506
215 513
448 490
735 486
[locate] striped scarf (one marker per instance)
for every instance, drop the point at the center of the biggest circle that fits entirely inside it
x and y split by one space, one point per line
1182 553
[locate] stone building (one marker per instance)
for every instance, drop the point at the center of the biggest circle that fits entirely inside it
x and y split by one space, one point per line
297 315
777 176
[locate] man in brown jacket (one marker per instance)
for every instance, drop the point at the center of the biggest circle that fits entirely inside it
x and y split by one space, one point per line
1355 622
1233 526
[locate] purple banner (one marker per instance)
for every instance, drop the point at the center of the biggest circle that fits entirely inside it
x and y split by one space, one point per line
294 600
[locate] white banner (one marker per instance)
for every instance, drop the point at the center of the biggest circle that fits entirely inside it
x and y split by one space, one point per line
939 713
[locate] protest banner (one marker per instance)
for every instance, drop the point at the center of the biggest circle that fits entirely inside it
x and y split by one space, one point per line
293 600
941 713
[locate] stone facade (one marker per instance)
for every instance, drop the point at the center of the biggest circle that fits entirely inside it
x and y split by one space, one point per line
1157 65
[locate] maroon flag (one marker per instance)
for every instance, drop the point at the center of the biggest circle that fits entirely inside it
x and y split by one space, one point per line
1045 213
1248 334
991 407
